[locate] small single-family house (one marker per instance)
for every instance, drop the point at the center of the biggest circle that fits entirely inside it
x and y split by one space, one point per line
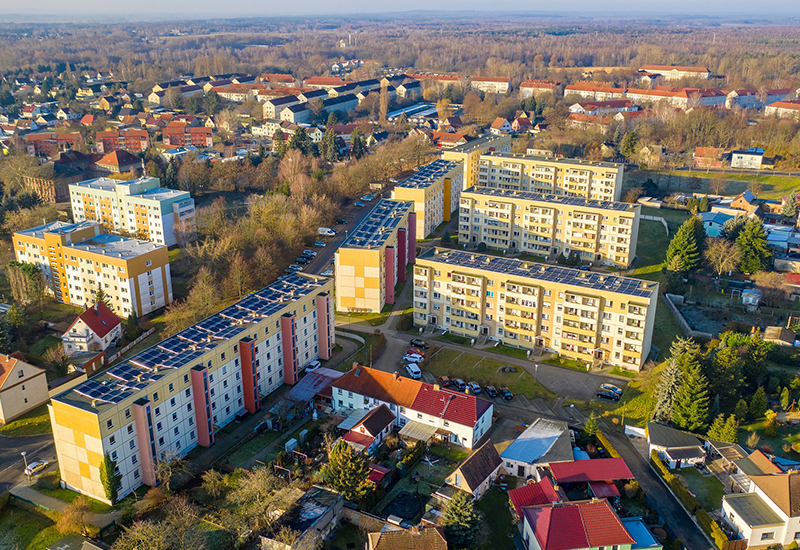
478 471
93 330
427 538
543 442
713 222
500 126
676 448
579 526
535 493
23 387
368 434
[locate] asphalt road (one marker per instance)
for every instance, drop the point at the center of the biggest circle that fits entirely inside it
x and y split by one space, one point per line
37 447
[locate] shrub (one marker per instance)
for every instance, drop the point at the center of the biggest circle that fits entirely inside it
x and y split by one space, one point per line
406 322
606 444
712 528
680 492
49 482
411 457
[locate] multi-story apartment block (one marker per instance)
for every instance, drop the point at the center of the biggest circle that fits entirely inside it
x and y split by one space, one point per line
181 134
549 225
677 72
50 144
469 153
491 84
595 318
141 207
435 190
373 258
77 258
136 140
601 181
177 394
426 410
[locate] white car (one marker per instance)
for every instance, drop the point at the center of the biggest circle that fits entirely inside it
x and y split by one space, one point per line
412 358
313 365
414 372
35 467
327 273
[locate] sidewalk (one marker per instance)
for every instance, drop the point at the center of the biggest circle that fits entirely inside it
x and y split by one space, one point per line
27 493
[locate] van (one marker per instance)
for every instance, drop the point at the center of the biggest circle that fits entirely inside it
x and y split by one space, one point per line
326 232
414 371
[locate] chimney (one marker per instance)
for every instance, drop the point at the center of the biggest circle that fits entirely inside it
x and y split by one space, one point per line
394 375
94 403
355 365
97 308
414 531
436 387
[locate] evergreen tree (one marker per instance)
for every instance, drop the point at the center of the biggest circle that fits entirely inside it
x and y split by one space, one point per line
771 423
279 143
667 391
684 245
785 398
211 103
347 471
110 478
704 204
726 374
461 521
758 404
716 428
789 209
171 175
403 120
132 326
752 243
683 346
732 227
714 407
357 143
628 146
591 427
328 147
691 403
6 344
101 296
699 232
730 432
740 411
332 120
15 321
300 141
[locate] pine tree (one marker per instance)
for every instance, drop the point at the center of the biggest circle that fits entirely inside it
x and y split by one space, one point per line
332 120
752 243
789 209
785 398
740 411
279 143
328 147
733 227
730 432
681 346
357 143
667 391
132 326
628 146
461 521
771 423
591 427
691 403
714 407
101 296
347 471
110 478
758 404
684 245
716 428
704 204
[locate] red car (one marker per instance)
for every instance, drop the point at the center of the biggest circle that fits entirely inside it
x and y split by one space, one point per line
444 381
416 351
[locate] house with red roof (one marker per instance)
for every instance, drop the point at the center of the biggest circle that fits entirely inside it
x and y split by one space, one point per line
600 475
500 126
368 434
93 330
530 88
789 108
574 526
594 91
180 134
536 493
422 411
676 72
118 161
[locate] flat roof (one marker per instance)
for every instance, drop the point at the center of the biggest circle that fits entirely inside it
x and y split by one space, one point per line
162 193
428 174
57 227
542 272
109 184
477 143
374 230
123 248
753 510
134 375
500 194
544 440
574 162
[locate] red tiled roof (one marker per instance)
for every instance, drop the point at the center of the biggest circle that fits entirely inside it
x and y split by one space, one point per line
118 158
533 494
323 80
452 406
792 279
598 469
358 439
101 320
590 87
611 104
707 152
541 84
490 79
576 526
377 472
498 123
604 489
793 104
277 76
377 384
580 117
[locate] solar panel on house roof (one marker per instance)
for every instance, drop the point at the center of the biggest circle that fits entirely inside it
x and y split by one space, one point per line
229 332
193 335
500 194
173 345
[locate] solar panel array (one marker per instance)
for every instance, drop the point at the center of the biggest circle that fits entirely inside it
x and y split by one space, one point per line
543 272
374 230
428 174
498 193
572 162
126 379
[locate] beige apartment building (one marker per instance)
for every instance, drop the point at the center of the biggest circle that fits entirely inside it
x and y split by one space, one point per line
469 154
601 181
595 318
374 256
601 232
435 190
78 258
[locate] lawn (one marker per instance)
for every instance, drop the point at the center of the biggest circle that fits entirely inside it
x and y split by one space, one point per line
431 477
708 490
455 454
374 319
35 422
774 186
498 520
43 344
20 529
244 453
68 496
512 351
361 356
344 535
566 363
454 338
485 371
772 445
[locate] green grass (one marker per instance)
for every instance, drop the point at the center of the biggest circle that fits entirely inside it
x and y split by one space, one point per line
674 217
651 248
497 518
708 490
456 454
56 312
616 371
485 371
512 351
69 496
566 362
43 344
453 338
35 422
345 534
294 435
361 356
244 453
175 254
431 477
20 529
374 319
786 434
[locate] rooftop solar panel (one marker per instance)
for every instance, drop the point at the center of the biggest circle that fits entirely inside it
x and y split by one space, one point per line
500 194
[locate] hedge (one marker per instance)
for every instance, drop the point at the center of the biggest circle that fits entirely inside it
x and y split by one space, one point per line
712 528
680 492
411 457
603 440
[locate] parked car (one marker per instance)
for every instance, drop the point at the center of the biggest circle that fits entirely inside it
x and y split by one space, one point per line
36 467
309 253
474 387
412 358
359 204
506 393
366 198
419 343
327 273
326 232
320 244
611 387
491 391
414 371
302 260
444 381
459 384
393 180
296 267
341 221
290 271
416 351
607 394
313 365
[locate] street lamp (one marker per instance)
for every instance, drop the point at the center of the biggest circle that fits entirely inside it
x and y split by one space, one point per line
25 458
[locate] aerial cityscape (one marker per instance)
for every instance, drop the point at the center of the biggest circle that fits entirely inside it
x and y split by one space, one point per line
338 277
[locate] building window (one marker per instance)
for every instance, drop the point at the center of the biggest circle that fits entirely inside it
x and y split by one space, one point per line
130 428
109 423
134 460
768 536
132 444
112 440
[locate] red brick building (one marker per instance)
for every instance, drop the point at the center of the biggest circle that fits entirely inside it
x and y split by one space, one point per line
136 140
50 144
178 134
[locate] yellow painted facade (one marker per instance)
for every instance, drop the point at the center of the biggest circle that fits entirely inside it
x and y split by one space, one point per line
469 154
595 318
548 225
435 190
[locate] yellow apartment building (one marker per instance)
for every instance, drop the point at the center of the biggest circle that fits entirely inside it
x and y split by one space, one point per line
179 393
602 232
435 190
373 257
469 154
141 207
600 181
77 258
595 318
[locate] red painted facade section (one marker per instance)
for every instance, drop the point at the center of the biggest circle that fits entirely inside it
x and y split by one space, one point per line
323 326
247 355
402 254
412 238
389 266
289 343
202 407
145 439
